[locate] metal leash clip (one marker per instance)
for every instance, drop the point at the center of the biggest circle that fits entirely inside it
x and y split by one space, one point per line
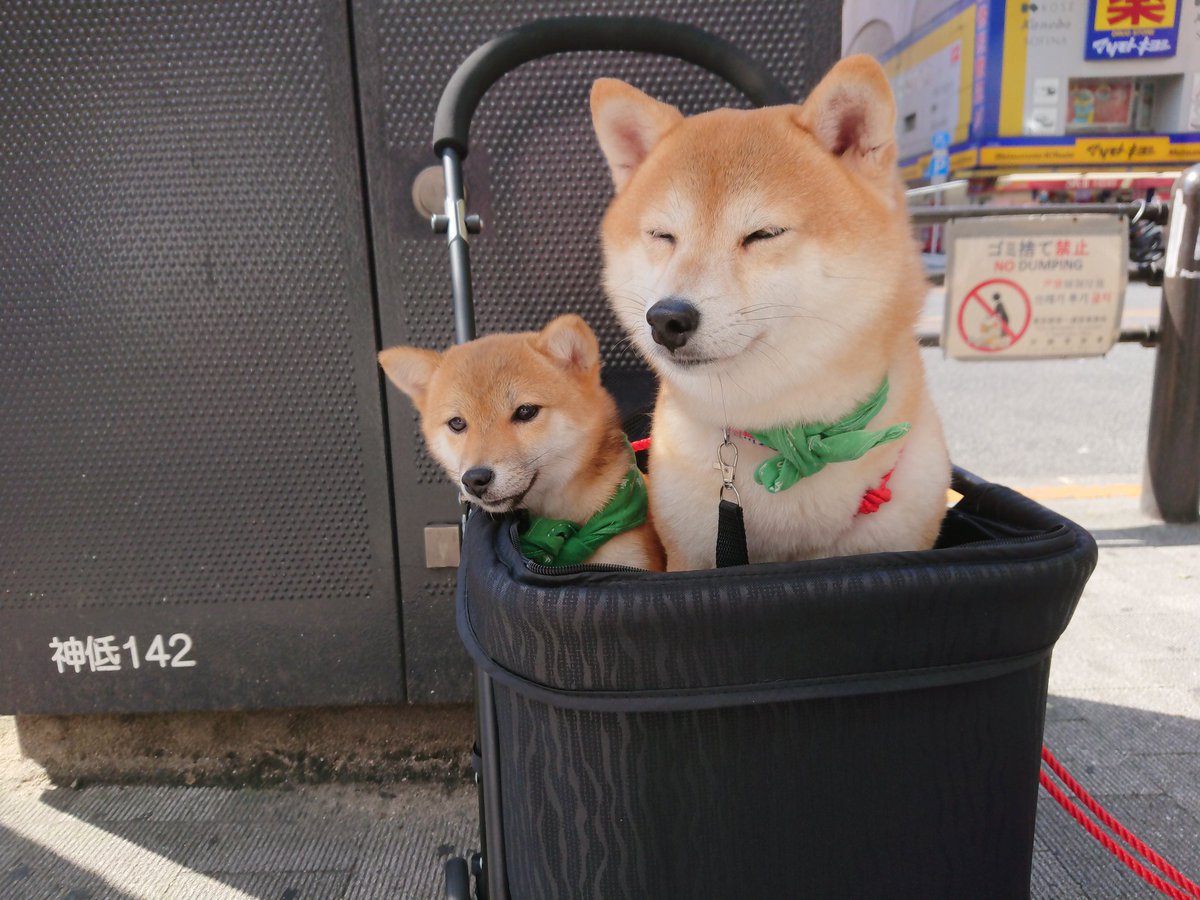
727 457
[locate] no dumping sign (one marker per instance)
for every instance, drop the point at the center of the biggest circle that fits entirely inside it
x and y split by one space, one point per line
1034 286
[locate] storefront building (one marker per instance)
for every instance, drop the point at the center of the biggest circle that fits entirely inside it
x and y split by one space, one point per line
1058 99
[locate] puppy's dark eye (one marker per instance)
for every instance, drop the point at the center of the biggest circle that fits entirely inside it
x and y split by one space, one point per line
458 424
525 412
763 234
661 235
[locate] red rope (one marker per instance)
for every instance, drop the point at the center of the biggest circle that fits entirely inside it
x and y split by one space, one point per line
639 446
1109 844
1192 890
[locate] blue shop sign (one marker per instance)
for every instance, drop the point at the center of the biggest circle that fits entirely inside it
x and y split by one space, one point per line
1132 29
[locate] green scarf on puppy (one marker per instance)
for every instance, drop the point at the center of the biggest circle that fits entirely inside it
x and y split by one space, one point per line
561 542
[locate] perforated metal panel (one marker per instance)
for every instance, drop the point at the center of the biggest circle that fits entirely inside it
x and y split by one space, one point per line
192 433
537 178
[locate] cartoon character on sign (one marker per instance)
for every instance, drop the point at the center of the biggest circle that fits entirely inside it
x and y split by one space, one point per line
994 332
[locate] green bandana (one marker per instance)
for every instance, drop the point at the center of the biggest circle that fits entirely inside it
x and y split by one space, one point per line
559 542
804 450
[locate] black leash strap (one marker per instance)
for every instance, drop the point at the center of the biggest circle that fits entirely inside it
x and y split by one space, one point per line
731 535
731 527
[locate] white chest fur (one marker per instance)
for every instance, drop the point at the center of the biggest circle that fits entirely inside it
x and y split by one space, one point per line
818 516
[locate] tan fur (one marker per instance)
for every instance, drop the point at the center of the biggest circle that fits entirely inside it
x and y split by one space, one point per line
565 463
801 327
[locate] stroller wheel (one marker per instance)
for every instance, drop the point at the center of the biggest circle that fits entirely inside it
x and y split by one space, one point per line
458 879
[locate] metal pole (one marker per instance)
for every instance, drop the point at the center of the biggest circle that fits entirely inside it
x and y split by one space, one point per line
455 222
927 215
492 881
492 822
1146 335
457 226
1173 444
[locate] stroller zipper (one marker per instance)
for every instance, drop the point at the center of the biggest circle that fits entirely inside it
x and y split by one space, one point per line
539 569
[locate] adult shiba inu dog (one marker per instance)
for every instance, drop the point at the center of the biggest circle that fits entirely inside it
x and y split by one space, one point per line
762 262
521 421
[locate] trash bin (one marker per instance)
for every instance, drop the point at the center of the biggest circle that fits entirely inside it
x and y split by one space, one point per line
864 726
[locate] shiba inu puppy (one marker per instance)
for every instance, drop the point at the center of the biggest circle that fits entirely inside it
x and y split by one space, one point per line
762 262
521 421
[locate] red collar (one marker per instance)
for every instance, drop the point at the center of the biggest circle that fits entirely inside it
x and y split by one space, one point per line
871 501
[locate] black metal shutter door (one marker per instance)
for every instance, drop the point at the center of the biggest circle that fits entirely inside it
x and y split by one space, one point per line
537 178
192 440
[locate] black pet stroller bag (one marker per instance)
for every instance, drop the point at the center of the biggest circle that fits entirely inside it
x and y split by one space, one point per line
859 727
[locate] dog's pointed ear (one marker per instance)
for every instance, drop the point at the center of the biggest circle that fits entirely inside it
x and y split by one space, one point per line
410 369
570 343
628 124
852 113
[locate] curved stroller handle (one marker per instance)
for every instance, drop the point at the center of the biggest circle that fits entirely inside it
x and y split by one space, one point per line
546 37
484 67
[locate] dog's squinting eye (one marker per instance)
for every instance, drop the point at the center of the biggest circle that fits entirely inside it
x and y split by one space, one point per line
525 412
763 234
661 235
458 424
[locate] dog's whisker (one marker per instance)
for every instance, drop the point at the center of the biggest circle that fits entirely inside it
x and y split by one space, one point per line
821 319
778 358
758 307
741 389
788 316
867 278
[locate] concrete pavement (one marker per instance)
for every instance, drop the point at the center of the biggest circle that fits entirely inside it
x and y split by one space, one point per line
1124 716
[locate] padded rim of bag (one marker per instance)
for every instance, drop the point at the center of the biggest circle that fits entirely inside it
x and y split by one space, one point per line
610 640
546 37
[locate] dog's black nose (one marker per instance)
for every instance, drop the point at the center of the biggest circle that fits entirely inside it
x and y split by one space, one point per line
476 480
672 322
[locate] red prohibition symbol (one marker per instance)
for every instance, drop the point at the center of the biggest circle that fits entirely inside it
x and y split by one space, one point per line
1000 327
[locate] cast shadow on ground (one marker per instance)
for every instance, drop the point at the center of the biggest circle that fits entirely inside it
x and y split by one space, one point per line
1144 767
1156 535
312 842
30 871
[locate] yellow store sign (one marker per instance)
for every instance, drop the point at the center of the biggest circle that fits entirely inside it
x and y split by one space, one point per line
1092 151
